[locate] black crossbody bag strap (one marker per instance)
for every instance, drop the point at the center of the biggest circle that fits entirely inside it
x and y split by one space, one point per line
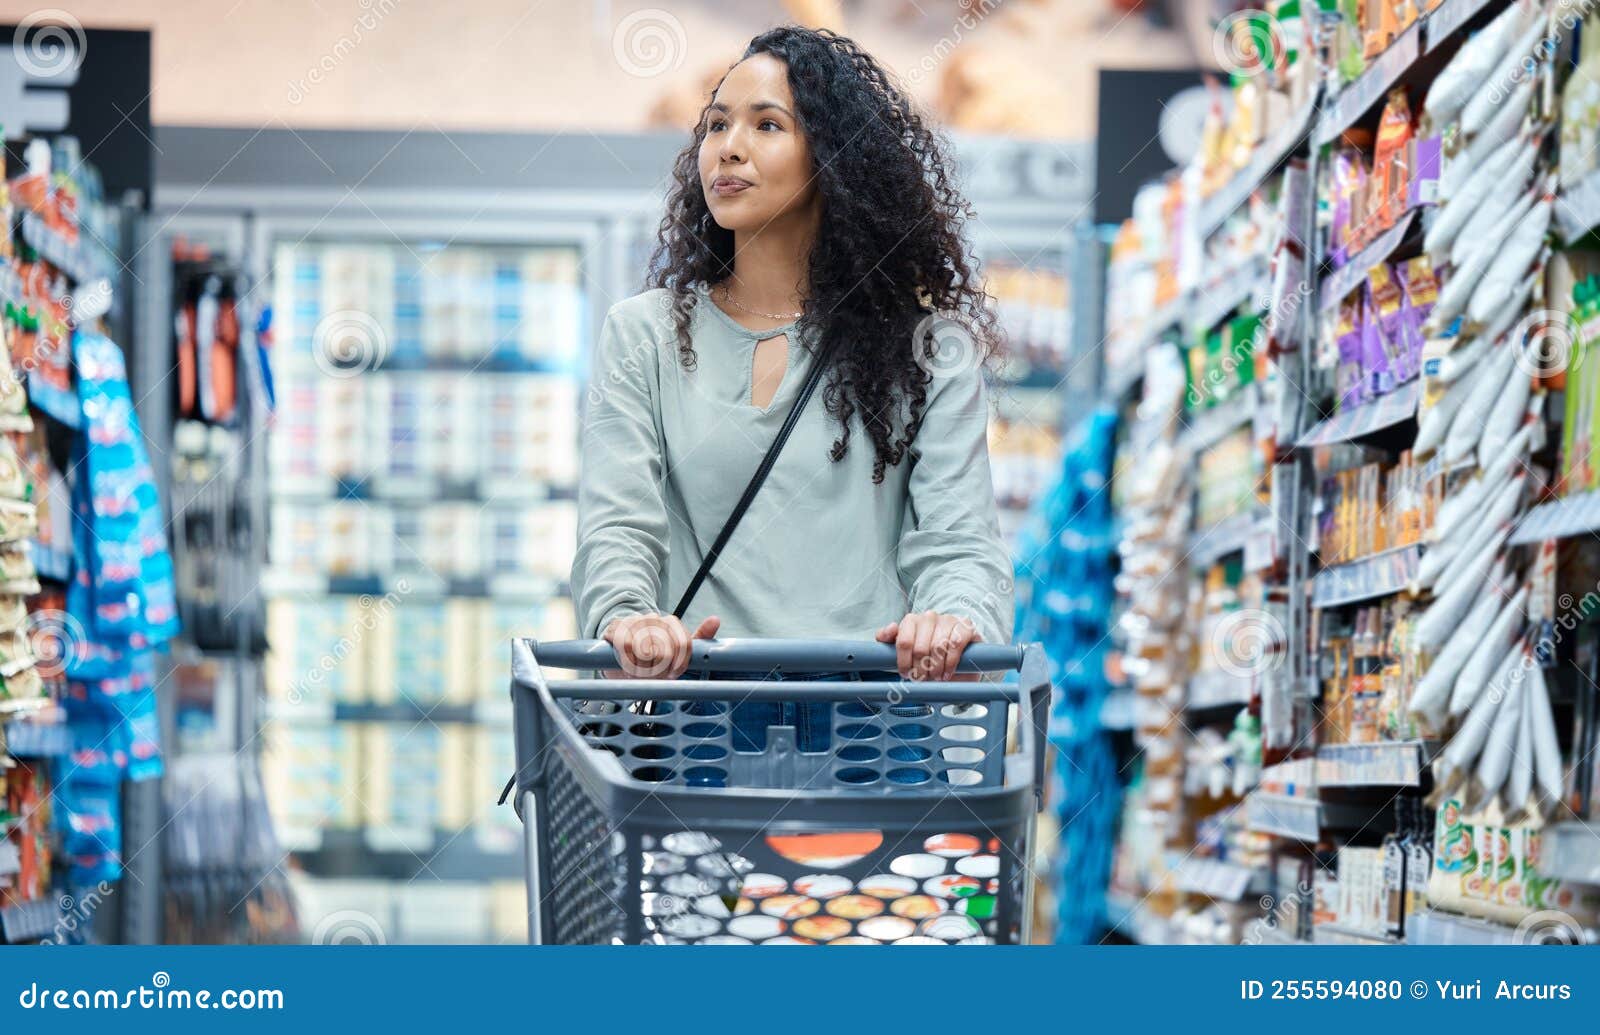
750 490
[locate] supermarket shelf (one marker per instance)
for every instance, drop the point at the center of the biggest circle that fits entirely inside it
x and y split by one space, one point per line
1439 928
1337 934
34 739
487 361
1299 819
1251 285
405 711
21 705
1578 208
1345 279
1379 575
1385 411
1269 157
420 490
29 921
1448 19
432 855
1368 89
49 562
1394 763
71 257
422 585
1559 519
1571 851
1218 689
1209 426
1229 535
1224 881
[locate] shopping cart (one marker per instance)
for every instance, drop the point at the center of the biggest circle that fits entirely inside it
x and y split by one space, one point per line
915 827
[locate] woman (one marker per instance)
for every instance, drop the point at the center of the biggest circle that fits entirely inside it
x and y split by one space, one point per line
813 218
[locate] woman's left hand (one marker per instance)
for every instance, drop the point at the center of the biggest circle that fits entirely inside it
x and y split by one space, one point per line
928 645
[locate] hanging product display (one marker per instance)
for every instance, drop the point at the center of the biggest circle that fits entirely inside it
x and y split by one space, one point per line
1063 601
87 580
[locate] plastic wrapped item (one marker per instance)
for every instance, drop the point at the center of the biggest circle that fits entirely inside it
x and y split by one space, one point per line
1466 430
1436 419
1465 73
1481 664
1459 209
1432 693
1495 762
1511 265
1486 103
1504 192
1448 609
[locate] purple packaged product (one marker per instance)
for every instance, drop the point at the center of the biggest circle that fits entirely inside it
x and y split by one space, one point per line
1348 377
1423 188
1374 353
1388 300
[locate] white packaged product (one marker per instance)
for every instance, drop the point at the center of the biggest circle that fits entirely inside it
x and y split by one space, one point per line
1433 689
1492 90
1436 419
1434 627
1508 269
1467 427
1481 665
1519 781
1457 291
1477 57
1507 414
1465 746
1495 761
1546 750
1502 126
1505 192
1457 210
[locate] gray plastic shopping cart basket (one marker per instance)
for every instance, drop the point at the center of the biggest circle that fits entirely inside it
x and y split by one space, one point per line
914 827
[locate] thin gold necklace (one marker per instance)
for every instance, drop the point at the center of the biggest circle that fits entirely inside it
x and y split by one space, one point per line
756 312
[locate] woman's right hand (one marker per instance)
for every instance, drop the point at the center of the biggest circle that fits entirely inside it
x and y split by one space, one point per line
654 646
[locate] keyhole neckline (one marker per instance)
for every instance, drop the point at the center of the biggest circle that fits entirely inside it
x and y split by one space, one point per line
738 328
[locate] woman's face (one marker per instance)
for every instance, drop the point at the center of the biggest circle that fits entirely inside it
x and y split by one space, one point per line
755 163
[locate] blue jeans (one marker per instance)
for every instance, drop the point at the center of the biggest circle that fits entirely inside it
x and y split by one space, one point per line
812 720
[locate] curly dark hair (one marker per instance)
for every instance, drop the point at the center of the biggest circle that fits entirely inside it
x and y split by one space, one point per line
889 250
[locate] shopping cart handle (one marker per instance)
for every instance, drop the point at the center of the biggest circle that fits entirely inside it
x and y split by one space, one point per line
796 655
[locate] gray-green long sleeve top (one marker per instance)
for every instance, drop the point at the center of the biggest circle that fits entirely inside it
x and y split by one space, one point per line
822 551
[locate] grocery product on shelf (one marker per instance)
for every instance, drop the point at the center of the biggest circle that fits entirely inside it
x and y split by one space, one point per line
422 482
1423 734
